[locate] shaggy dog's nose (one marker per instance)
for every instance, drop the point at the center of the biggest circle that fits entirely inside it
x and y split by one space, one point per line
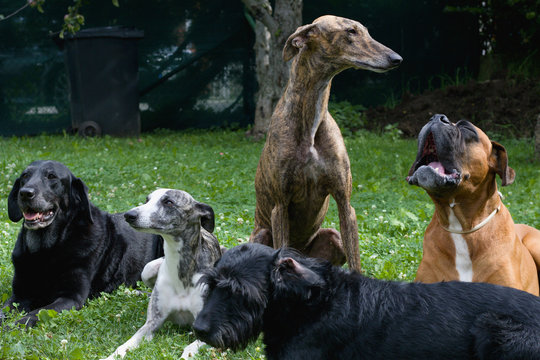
201 328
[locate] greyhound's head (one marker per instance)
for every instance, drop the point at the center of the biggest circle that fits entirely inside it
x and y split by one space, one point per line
340 43
171 212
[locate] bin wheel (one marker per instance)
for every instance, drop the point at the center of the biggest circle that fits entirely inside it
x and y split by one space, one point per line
89 129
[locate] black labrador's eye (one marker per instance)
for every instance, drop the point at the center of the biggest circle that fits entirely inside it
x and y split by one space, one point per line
52 176
352 31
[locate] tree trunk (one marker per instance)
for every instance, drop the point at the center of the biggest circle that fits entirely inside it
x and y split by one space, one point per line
272 29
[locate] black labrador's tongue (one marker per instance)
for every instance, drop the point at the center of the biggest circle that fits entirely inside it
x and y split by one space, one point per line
430 178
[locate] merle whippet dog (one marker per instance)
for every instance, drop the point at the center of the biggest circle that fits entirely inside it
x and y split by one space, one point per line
186 225
309 309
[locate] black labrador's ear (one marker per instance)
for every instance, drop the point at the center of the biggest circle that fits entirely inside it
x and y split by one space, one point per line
79 197
207 216
499 162
294 267
296 42
14 211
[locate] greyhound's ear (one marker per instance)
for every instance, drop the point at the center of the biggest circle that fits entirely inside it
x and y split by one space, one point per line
79 197
297 41
499 163
292 266
207 216
14 212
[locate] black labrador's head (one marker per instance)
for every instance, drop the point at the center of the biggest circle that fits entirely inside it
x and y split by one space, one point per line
47 192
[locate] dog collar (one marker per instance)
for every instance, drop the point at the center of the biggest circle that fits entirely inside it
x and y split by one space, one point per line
478 226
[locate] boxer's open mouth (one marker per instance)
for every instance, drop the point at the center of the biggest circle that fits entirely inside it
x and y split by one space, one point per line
429 171
34 219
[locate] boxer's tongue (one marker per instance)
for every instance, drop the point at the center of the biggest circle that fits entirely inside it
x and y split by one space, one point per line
437 166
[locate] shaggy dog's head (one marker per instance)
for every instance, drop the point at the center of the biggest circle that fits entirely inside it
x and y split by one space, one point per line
237 295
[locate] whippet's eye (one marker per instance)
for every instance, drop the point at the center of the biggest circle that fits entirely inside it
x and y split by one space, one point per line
352 31
168 202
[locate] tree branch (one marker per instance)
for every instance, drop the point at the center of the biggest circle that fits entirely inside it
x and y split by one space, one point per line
15 12
262 11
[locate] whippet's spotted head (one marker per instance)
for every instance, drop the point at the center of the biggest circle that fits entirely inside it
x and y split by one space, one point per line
171 212
340 43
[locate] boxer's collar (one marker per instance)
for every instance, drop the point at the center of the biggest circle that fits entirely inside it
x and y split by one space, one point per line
479 225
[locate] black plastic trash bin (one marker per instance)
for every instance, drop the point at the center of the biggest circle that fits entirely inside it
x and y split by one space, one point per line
103 76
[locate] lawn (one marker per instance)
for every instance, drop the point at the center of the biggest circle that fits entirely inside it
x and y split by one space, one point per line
218 168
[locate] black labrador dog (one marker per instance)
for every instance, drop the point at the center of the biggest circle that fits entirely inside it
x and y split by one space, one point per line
68 250
309 309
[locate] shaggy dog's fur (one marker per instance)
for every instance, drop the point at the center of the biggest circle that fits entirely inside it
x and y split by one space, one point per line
308 309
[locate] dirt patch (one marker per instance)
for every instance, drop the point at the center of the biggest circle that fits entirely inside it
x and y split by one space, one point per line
505 107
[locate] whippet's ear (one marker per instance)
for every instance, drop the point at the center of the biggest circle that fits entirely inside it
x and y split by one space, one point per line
14 211
499 163
297 41
207 216
79 197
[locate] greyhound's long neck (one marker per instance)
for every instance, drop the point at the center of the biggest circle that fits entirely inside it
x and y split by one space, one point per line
180 259
307 94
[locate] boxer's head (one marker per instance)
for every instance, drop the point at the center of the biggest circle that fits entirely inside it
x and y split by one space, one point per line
457 158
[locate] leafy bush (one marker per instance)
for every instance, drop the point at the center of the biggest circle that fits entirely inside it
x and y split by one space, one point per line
349 117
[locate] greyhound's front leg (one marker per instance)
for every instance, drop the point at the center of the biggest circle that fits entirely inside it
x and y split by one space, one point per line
349 230
280 226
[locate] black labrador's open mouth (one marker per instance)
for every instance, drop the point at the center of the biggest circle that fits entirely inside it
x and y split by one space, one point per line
429 172
38 220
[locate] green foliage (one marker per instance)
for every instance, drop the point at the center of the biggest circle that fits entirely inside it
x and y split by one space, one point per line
349 117
218 168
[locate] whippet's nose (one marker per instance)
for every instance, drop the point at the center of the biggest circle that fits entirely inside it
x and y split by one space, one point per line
395 59
131 216
27 193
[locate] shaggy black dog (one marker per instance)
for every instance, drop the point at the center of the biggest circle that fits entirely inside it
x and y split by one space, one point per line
68 250
308 309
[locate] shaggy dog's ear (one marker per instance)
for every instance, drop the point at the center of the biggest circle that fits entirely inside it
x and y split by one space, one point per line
297 41
207 216
499 163
14 212
79 197
294 267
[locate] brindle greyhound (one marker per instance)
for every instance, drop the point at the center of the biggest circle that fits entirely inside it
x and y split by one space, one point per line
304 159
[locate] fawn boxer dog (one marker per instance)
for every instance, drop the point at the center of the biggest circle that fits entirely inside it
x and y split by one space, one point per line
471 236
304 160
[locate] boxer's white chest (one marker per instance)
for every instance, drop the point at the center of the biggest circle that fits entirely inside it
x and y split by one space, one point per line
463 258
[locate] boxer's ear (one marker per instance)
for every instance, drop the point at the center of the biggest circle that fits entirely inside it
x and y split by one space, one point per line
499 163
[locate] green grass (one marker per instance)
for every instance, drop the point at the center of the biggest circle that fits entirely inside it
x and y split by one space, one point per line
218 168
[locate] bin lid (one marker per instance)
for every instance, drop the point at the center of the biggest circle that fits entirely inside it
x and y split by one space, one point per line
108 32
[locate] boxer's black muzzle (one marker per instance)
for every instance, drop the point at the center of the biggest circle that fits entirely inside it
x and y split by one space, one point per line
441 148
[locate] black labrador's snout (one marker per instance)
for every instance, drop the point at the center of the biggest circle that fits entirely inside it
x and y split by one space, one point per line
131 216
27 193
